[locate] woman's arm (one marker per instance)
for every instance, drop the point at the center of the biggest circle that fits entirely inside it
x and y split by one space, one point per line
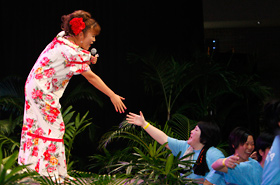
206 182
97 82
222 165
154 132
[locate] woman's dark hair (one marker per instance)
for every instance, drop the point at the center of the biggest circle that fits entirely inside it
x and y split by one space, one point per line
271 114
238 137
87 19
210 133
263 142
210 136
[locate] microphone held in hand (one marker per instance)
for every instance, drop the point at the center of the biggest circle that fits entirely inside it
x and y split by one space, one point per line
93 52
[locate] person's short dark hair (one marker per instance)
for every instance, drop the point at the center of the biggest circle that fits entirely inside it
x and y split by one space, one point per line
263 142
238 137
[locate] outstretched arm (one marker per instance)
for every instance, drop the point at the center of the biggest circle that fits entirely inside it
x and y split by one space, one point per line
154 132
97 82
225 163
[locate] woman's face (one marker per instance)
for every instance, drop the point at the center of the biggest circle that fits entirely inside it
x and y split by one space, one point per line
244 151
194 138
87 39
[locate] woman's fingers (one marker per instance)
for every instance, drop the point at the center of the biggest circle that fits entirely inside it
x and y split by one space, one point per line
134 119
141 114
132 114
121 108
116 108
232 161
118 104
130 118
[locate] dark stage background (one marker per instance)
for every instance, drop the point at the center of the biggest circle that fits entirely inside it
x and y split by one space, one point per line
174 27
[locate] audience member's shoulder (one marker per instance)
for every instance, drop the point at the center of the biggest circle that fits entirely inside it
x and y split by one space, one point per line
251 160
213 149
254 162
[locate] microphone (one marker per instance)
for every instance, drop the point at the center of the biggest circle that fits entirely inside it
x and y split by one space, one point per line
93 52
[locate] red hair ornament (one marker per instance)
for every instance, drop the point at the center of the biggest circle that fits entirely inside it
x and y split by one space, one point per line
77 25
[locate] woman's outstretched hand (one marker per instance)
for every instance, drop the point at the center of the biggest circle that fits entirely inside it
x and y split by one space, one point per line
136 119
118 104
154 132
232 161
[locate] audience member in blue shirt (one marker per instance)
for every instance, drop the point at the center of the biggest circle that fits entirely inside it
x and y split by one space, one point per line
271 171
263 145
240 168
202 141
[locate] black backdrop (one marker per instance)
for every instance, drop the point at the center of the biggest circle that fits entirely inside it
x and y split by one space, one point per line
174 27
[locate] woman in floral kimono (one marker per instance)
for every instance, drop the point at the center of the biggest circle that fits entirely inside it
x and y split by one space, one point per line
43 127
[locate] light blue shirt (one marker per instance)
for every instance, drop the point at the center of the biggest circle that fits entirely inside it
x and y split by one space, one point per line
212 155
245 173
271 170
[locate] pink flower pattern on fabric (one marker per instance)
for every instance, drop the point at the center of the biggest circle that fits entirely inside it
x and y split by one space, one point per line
43 128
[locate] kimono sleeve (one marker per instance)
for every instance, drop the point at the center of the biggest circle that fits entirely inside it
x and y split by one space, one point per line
79 68
79 62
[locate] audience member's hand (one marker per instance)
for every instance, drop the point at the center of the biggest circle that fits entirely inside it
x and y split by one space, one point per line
254 155
136 119
232 161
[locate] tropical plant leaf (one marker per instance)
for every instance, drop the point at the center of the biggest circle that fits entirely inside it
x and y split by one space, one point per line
164 77
126 131
169 163
182 126
12 95
9 175
72 129
83 92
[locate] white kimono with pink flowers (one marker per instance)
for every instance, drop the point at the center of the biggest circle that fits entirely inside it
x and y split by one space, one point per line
43 128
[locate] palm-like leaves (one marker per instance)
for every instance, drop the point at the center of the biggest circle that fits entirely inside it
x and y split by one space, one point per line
170 76
72 129
132 133
246 86
11 103
212 82
151 163
12 95
12 144
9 175
181 126
154 166
125 131
82 92
203 81
165 76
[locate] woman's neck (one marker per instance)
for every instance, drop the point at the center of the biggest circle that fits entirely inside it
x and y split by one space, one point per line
72 39
198 146
262 163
